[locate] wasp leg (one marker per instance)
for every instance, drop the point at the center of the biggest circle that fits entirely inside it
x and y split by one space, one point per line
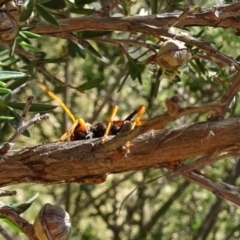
139 112
135 122
140 109
58 100
68 133
109 122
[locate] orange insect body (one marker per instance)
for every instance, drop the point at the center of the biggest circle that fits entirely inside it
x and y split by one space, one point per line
78 131
81 130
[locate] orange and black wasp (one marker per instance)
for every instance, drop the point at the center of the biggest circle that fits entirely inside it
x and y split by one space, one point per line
81 130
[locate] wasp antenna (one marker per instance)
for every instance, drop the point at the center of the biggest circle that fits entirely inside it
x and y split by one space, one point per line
57 99
139 112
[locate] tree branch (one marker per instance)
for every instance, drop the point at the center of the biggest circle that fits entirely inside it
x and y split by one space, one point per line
88 161
14 217
4 233
157 25
224 16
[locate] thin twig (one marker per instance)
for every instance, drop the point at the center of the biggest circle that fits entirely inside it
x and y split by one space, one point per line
206 17
27 54
107 7
19 88
232 91
2 2
72 37
182 169
20 128
5 193
36 119
25 110
209 58
4 233
131 42
121 47
40 68
203 161
204 45
14 217
187 11
161 121
215 189
202 180
228 97
207 48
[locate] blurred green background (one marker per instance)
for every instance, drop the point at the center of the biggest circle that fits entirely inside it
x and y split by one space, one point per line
105 74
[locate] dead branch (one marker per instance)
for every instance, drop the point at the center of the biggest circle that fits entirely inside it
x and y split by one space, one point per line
5 234
87 161
5 193
222 16
157 25
14 217
217 190
22 126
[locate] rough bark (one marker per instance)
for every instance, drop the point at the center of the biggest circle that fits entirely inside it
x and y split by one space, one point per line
224 16
90 160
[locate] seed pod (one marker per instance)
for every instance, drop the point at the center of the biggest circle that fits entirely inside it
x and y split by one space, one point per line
8 27
172 55
52 223
13 10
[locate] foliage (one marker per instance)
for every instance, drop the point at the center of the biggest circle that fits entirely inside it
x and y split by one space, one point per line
92 70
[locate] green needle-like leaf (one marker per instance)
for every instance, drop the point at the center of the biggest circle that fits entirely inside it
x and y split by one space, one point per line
36 107
6 75
5 118
5 91
27 10
46 15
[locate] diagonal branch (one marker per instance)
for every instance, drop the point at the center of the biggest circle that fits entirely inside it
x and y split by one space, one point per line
222 17
82 161
174 112
14 217
217 190
158 26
